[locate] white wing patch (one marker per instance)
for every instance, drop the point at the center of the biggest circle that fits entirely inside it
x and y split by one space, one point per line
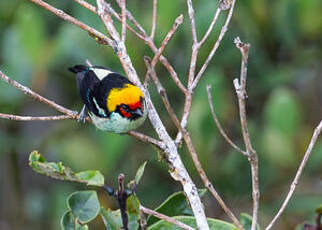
100 110
101 73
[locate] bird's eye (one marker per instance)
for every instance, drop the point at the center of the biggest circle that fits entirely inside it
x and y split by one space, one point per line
124 107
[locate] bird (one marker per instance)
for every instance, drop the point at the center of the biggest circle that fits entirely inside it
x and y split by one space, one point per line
114 103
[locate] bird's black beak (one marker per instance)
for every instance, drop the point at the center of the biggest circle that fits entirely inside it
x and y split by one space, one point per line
137 113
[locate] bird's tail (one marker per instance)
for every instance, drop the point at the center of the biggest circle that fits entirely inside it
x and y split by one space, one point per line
78 68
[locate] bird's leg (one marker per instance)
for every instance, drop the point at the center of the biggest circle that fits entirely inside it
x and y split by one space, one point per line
82 115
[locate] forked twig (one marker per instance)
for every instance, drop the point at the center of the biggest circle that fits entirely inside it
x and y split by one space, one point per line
220 128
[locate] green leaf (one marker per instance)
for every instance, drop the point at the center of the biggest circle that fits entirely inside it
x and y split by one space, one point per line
84 205
214 224
246 221
113 219
93 177
68 222
58 171
175 205
139 173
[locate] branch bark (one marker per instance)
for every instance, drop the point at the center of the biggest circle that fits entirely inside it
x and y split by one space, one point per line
315 136
240 87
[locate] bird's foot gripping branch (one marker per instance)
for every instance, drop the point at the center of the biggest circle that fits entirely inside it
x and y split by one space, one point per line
84 206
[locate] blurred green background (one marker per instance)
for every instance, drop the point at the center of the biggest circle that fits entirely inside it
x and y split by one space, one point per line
284 105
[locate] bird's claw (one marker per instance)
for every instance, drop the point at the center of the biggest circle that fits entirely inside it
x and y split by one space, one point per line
82 115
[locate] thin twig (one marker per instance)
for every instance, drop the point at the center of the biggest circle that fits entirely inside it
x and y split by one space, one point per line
31 118
191 13
315 136
157 55
86 5
240 87
165 218
36 96
167 38
98 35
154 19
220 128
123 14
212 24
216 45
147 139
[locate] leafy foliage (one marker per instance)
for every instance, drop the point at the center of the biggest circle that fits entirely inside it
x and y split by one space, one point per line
246 221
58 171
175 205
213 224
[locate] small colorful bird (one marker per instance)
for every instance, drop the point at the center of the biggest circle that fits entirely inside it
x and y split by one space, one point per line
114 103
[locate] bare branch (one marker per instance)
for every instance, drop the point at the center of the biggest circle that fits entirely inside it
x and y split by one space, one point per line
315 136
220 128
191 13
216 45
32 118
169 35
98 35
165 218
151 72
154 18
147 139
123 14
206 181
87 5
240 87
36 96
212 24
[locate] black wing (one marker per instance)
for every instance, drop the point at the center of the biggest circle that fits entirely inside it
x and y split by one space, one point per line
93 91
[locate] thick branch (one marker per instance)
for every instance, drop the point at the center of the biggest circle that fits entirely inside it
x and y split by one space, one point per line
296 179
179 172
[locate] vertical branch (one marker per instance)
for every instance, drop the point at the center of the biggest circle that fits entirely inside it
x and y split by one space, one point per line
123 20
240 87
178 171
154 19
216 45
315 136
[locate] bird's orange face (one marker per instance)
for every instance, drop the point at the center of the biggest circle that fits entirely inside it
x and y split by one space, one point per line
128 100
